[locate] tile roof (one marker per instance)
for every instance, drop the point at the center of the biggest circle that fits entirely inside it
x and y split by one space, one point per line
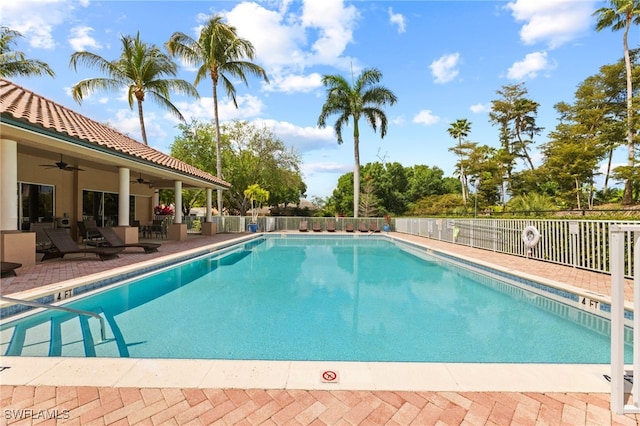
40 112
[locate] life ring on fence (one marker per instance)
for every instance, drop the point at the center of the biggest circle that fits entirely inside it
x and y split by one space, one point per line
530 236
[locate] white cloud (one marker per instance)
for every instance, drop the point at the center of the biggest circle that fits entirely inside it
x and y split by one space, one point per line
36 19
444 68
310 169
127 121
294 83
202 109
397 19
316 33
80 40
479 108
554 22
426 117
303 139
530 66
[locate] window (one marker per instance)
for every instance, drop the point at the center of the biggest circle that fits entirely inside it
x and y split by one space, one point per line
103 207
35 204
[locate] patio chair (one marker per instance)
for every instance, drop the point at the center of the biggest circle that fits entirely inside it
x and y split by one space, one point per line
349 227
304 226
331 226
9 268
373 227
159 228
317 227
113 240
88 230
42 241
63 244
362 227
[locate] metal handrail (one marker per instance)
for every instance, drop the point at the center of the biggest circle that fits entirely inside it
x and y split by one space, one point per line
103 334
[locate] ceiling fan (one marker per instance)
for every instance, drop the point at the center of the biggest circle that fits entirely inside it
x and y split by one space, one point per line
62 166
142 181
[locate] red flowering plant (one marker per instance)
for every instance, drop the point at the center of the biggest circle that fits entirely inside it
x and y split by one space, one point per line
163 210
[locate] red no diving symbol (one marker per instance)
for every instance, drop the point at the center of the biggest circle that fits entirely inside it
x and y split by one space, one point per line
329 376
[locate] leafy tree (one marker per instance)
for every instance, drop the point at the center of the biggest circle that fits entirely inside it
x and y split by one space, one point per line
220 54
368 201
254 155
258 195
141 68
484 171
458 130
423 181
621 15
365 98
516 116
14 63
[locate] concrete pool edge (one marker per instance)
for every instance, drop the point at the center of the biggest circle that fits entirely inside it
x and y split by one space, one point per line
396 376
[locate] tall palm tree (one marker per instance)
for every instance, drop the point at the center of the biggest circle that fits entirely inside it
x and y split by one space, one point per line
221 55
458 130
14 63
362 99
141 67
620 16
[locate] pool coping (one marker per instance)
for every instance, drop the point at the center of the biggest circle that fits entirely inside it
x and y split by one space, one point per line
408 376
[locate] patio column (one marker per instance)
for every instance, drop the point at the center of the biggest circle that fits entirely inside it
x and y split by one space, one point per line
208 227
209 200
123 196
178 230
178 202
155 200
15 246
9 185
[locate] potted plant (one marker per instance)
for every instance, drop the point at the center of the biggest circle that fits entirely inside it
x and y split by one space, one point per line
387 223
257 196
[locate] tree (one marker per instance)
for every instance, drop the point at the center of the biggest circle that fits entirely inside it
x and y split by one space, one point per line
255 194
219 54
364 98
13 63
458 130
516 116
620 16
142 69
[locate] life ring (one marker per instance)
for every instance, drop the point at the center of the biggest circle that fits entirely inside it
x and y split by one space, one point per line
530 236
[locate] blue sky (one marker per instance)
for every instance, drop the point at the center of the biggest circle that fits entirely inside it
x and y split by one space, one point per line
444 60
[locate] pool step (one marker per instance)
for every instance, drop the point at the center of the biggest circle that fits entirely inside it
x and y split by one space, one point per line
62 335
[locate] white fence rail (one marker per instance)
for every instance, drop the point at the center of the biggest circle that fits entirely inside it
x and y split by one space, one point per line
579 243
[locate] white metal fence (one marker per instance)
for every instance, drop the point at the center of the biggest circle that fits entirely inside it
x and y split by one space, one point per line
579 243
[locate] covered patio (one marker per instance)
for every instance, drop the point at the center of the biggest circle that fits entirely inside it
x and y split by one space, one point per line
59 168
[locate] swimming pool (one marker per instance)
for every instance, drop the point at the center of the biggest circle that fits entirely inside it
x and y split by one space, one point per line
364 298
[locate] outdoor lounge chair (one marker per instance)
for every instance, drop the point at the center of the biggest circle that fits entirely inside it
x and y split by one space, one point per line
111 239
304 226
362 227
317 227
63 244
331 226
373 227
88 231
9 268
349 227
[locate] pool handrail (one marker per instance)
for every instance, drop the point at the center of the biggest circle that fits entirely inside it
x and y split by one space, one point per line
103 335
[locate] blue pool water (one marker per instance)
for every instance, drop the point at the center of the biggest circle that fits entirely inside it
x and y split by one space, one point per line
306 298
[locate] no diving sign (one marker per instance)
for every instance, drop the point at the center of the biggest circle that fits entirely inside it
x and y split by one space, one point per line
330 376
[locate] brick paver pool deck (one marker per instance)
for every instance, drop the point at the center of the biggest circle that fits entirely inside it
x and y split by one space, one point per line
90 405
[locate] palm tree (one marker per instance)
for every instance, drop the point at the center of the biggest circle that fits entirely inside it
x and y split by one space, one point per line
14 63
458 130
219 54
621 15
141 68
364 98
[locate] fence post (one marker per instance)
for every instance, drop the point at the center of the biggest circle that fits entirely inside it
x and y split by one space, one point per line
617 266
